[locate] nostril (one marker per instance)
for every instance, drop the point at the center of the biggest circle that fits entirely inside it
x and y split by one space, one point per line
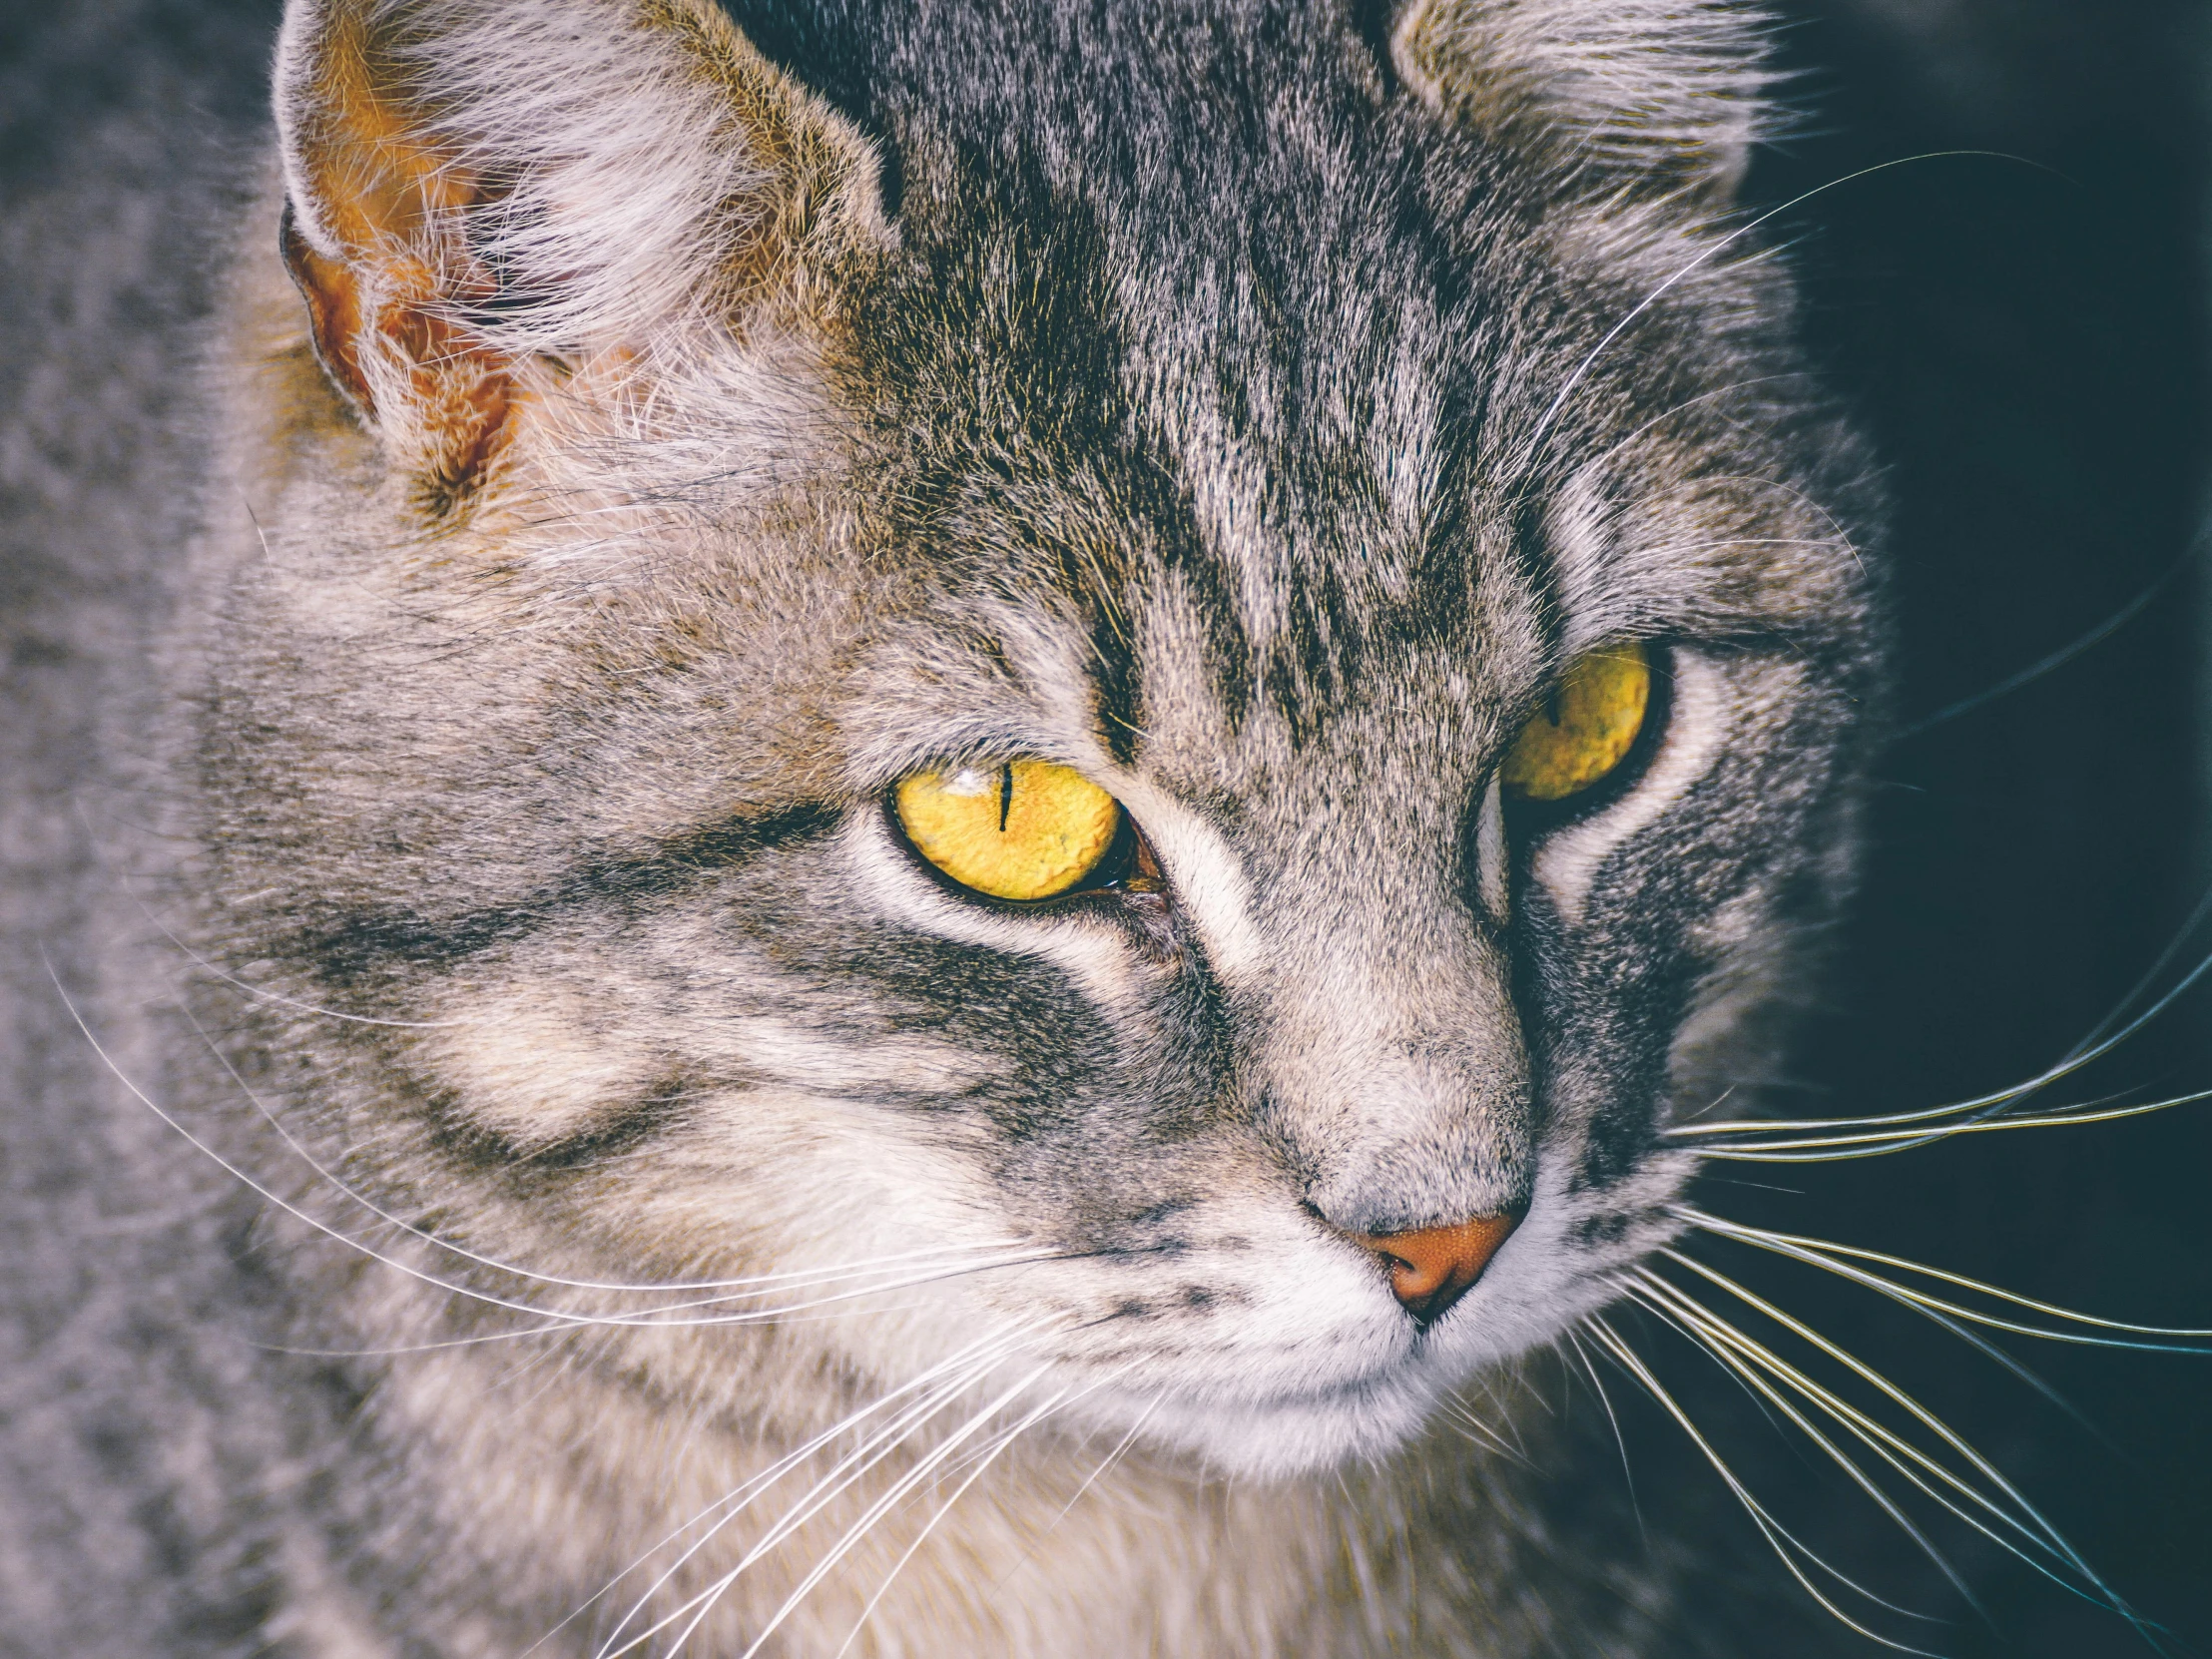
1431 1267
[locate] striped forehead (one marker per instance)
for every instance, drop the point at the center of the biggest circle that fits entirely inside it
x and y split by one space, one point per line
1111 432
1243 379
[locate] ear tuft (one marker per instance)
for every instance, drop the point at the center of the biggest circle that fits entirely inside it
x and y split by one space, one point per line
479 191
1670 92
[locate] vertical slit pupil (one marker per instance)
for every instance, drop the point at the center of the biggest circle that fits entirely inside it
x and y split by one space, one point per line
1005 795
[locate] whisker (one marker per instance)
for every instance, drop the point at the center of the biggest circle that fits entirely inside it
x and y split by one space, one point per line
2080 1057
982 1465
1112 1457
668 1288
849 1468
645 1319
1544 422
1738 1349
1482 1433
1606 454
557 1318
2023 1516
964 1367
570 1328
1901 1123
874 1513
2181 937
261 994
1501 1433
1754 1363
660 1318
1780 1539
257 1187
1879 1144
1819 1253
2061 657
1628 1472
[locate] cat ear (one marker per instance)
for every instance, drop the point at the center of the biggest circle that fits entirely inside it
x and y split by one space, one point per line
1662 94
487 198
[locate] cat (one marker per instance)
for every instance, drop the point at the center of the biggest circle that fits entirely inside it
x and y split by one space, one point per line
939 800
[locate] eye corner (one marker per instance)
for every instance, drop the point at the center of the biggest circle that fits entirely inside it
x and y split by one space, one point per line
1144 874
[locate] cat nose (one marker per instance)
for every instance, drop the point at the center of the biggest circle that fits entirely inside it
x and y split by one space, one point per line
1433 1267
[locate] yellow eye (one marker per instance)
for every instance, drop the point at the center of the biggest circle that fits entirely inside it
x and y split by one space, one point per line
1026 829
1585 728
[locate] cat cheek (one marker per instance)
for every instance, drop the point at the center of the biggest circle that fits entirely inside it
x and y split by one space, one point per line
538 1063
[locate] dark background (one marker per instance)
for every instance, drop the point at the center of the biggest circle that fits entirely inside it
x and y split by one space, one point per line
2025 338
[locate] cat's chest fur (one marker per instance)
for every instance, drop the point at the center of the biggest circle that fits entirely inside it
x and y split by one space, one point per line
1356 456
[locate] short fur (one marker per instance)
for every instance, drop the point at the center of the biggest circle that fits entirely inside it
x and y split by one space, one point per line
671 433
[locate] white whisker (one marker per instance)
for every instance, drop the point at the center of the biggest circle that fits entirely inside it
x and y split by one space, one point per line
965 1366
1820 1253
1780 1539
2081 1056
1748 1360
1471 1427
843 1476
1814 1149
982 1464
669 1288
1614 448
2014 1511
875 1512
1566 391
1112 1457
650 1318
1573 1340
261 994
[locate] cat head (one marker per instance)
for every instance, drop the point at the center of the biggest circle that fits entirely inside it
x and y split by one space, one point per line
1147 682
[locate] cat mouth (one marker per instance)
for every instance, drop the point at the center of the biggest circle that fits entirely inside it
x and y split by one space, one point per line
1356 1396
1358 1391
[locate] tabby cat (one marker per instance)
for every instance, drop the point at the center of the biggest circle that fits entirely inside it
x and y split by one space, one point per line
954 807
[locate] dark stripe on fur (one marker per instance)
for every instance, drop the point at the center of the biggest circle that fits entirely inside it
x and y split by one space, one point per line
367 940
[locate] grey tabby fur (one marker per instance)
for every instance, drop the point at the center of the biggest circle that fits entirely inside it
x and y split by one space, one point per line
1253 406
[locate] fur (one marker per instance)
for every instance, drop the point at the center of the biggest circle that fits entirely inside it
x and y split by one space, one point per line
635 440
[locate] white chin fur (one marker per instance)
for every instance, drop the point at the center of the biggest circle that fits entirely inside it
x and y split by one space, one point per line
1278 1439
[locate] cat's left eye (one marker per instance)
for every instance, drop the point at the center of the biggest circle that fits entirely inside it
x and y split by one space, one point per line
1025 830
1585 728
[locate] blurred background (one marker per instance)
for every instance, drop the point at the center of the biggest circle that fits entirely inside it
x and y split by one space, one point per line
2025 334
2025 328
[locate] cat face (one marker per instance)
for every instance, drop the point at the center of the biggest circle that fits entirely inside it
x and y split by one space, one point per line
1267 484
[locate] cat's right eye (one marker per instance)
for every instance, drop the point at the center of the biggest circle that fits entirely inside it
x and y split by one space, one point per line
1584 729
1022 830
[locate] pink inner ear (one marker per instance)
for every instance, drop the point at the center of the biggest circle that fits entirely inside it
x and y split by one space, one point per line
459 390
387 306
333 311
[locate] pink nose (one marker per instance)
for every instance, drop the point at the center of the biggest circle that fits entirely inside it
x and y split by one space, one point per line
1433 1267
